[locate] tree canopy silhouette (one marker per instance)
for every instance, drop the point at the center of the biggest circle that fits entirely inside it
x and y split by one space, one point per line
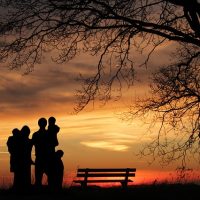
110 29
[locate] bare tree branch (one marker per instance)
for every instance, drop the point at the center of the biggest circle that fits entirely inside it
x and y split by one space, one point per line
174 104
111 29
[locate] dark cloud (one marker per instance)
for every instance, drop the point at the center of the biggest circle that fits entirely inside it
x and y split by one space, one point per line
2 43
31 91
51 84
84 67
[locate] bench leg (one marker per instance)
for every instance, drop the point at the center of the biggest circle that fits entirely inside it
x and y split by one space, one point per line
83 184
124 184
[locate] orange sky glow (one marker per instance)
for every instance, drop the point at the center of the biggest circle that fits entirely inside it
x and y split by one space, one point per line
96 137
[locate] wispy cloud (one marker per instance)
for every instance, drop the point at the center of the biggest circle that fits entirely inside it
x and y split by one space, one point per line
4 152
105 145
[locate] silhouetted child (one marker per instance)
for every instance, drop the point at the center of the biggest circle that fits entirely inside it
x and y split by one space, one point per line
12 143
52 130
14 148
56 171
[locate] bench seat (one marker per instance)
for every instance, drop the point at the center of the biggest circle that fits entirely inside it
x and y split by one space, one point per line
102 181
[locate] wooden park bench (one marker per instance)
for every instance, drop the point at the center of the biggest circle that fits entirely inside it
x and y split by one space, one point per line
104 175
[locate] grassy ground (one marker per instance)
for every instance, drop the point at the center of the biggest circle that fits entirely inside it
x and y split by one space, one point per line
154 192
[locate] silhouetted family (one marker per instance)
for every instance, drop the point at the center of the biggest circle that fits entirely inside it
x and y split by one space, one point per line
47 160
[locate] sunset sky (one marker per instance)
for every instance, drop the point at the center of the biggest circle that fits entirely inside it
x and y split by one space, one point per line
95 137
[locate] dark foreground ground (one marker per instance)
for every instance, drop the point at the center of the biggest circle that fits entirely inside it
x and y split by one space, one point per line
150 192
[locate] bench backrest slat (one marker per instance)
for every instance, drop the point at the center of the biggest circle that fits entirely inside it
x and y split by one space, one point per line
106 175
106 170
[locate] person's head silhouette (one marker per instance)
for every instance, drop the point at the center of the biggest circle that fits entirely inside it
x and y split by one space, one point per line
59 153
25 131
52 120
42 122
16 132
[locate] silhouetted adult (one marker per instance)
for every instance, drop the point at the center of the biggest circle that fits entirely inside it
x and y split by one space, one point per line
40 141
26 156
14 148
56 171
53 130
